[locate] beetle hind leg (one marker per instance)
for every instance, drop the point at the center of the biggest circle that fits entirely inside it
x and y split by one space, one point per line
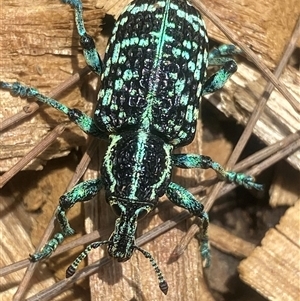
80 193
182 198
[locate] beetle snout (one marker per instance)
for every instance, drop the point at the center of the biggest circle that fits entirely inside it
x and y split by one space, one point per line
121 252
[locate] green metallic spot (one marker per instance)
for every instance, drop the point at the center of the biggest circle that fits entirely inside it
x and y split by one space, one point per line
176 52
127 76
182 134
123 21
187 44
133 92
107 97
115 54
191 66
173 76
189 115
107 69
119 84
185 55
179 86
122 59
144 42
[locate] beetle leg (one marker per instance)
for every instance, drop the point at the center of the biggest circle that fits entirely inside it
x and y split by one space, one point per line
205 162
182 198
85 122
80 193
90 53
217 57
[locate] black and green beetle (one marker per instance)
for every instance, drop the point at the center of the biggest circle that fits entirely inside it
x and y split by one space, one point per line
153 76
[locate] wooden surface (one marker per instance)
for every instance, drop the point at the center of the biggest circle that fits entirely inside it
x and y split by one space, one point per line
39 47
265 26
240 96
34 34
273 269
285 188
20 229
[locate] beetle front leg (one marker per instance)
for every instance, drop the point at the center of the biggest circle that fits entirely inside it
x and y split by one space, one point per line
218 57
90 53
205 162
182 198
80 193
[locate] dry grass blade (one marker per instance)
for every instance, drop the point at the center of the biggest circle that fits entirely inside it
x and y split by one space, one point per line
32 154
48 232
276 157
27 111
254 58
259 108
11 268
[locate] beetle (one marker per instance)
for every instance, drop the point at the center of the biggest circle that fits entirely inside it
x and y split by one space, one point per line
153 76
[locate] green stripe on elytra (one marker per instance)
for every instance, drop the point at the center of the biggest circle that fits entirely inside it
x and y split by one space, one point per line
161 38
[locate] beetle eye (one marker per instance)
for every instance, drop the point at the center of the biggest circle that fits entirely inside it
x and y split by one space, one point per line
143 212
116 209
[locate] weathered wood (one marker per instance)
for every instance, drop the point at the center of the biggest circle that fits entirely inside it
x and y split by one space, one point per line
266 26
273 269
241 94
39 47
229 243
285 189
15 224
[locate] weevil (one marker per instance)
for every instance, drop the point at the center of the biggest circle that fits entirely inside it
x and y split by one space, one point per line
153 76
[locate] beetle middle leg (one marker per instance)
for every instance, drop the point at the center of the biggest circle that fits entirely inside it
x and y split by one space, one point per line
85 122
205 162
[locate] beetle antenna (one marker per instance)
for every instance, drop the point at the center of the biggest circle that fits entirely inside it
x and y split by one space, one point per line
163 285
73 267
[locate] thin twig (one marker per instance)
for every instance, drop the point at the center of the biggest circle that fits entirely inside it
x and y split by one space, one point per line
253 57
254 116
49 230
40 147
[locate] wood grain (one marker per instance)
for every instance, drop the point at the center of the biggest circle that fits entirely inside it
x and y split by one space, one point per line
273 269
38 46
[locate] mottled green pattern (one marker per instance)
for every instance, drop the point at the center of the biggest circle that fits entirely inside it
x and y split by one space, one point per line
153 76
154 68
